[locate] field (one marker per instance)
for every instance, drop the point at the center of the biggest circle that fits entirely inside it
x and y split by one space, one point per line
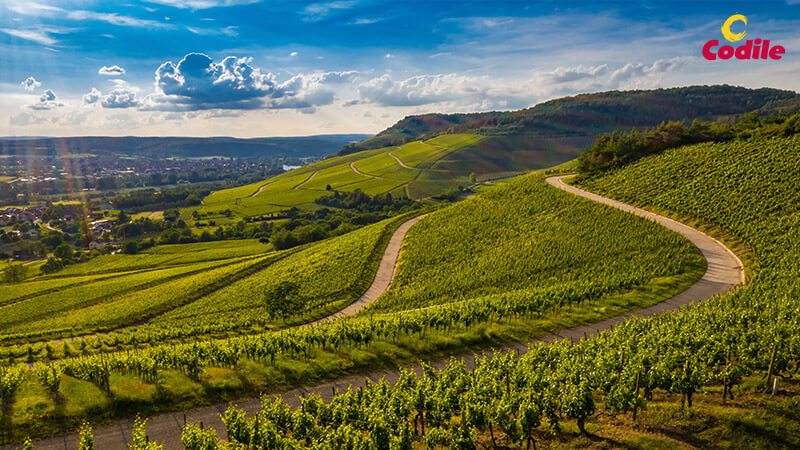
697 377
334 272
419 170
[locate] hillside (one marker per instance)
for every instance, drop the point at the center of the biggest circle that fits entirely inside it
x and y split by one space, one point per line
589 114
429 155
179 147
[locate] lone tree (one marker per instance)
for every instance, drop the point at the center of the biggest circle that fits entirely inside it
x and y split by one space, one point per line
283 300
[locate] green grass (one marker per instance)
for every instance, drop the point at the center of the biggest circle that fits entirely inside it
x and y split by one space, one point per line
297 188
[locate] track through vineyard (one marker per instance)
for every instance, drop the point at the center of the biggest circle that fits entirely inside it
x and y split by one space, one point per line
724 272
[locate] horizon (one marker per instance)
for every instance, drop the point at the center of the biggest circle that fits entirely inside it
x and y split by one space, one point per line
249 68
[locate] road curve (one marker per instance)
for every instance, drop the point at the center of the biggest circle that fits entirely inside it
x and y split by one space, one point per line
402 164
383 277
724 272
353 166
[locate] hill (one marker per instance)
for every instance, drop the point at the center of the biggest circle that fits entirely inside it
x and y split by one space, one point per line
429 155
589 114
180 147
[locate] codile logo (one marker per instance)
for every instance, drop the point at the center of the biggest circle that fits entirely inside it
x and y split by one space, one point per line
751 49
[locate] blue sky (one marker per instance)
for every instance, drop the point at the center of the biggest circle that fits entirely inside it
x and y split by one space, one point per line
268 68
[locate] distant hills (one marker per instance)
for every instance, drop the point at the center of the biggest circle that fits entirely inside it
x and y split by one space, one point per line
584 116
165 147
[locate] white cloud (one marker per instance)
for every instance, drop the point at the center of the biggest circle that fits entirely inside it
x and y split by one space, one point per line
120 98
203 4
92 97
293 54
116 19
318 11
580 72
30 83
111 70
197 83
25 119
47 101
636 71
420 90
40 36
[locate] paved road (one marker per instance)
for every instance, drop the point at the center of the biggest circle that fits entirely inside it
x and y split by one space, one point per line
724 272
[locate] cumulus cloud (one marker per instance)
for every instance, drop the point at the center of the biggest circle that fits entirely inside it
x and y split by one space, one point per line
197 83
48 100
111 70
419 90
580 72
120 98
634 71
92 97
30 83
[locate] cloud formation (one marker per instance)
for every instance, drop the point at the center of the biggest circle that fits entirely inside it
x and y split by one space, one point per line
198 83
92 97
111 70
419 90
203 4
47 101
30 83
40 36
120 98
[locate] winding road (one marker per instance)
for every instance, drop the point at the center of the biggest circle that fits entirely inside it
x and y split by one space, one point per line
353 166
724 272
402 164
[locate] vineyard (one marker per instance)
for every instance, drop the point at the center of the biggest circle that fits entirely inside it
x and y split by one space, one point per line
522 238
190 372
371 171
729 346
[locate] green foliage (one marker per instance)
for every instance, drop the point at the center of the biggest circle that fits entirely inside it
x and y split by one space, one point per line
140 441
86 438
283 300
65 253
525 239
15 273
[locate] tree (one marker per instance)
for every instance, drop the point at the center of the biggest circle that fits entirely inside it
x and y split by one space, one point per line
15 273
52 239
52 265
64 252
130 247
283 300
123 217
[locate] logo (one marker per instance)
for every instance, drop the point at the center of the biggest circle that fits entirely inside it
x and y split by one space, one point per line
751 49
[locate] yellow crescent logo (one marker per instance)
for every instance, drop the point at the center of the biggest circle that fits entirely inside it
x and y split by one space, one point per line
726 28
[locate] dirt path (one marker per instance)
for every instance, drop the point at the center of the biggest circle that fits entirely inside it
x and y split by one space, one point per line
400 162
261 188
353 166
724 273
307 180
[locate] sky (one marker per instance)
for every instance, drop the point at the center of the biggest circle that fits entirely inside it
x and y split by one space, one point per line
250 68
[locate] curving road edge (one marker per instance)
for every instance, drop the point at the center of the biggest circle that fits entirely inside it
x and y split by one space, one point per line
724 272
383 277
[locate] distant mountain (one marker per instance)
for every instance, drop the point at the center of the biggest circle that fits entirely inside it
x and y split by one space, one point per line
166 147
586 115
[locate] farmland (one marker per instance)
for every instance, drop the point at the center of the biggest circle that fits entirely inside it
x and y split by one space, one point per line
371 171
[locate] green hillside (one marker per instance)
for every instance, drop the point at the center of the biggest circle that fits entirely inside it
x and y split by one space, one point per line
589 114
697 377
429 155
